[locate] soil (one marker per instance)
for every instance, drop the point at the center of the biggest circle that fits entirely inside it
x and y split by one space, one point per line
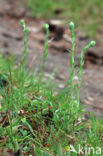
11 41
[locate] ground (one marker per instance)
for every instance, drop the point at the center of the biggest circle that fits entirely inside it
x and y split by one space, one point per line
11 41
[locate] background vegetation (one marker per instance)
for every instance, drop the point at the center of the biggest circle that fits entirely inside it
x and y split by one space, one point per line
87 14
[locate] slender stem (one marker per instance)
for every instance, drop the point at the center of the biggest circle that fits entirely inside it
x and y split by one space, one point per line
72 62
46 26
92 43
23 67
71 26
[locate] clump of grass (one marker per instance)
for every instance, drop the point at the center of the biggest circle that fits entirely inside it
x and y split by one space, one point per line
33 120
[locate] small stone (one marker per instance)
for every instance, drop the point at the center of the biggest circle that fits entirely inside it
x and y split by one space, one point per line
61 86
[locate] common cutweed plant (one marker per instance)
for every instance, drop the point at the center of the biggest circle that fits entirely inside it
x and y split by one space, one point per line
34 120
23 65
75 102
46 27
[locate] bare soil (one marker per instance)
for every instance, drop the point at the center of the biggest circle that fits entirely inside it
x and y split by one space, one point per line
11 41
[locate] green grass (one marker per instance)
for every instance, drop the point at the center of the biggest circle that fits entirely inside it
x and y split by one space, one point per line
86 14
37 121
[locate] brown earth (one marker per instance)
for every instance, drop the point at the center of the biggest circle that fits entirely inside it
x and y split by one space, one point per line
11 41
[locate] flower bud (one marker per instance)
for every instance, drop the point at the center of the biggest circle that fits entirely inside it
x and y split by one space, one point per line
22 22
46 26
71 25
92 43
